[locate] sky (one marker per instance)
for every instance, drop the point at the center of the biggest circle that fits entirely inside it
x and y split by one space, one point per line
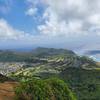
71 24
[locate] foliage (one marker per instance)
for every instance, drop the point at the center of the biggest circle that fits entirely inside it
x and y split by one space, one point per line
48 89
4 78
85 83
81 73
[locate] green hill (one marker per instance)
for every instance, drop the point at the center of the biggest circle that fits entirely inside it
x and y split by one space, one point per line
81 73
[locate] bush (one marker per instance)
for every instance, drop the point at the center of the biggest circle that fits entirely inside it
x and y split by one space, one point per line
48 89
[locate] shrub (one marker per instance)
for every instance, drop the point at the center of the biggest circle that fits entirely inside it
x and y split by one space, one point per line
48 89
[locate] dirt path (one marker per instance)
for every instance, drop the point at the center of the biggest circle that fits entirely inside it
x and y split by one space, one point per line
7 90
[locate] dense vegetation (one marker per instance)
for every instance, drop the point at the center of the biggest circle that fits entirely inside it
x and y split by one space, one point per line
81 73
85 83
4 78
49 89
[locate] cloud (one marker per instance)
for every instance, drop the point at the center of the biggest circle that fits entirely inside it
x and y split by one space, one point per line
31 11
7 32
11 37
72 24
14 38
69 17
33 7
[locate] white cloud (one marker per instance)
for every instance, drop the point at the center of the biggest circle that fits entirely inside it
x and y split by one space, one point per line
31 11
71 24
7 32
61 19
94 19
66 17
32 7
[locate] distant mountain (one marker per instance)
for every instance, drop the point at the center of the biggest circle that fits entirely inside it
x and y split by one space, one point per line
50 56
43 52
67 57
8 55
50 61
92 52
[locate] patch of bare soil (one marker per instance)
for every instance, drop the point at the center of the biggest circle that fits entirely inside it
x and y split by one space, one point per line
7 90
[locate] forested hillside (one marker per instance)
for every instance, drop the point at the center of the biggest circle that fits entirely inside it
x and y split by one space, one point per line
36 68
